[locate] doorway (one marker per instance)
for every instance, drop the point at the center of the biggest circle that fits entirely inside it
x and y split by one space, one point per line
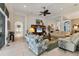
18 29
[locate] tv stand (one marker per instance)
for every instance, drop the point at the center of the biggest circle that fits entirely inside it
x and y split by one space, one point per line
36 26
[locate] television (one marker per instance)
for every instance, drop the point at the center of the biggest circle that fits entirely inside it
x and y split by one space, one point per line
39 30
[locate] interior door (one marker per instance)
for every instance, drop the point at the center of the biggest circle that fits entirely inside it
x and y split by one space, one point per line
2 29
18 29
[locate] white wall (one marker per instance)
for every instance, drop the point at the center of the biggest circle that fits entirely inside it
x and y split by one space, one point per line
28 20
31 19
15 17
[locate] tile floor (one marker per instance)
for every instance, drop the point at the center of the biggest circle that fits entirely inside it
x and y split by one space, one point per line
20 48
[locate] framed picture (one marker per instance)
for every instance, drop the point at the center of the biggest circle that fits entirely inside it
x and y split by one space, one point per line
38 21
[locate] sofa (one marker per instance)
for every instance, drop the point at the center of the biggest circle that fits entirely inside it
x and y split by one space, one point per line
69 43
36 43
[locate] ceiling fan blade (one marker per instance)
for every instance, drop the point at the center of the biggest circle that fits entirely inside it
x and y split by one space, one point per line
44 14
48 13
40 14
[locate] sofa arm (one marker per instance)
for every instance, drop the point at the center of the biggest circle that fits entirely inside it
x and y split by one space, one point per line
68 45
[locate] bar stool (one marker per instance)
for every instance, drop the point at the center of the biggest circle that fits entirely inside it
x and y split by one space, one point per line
11 36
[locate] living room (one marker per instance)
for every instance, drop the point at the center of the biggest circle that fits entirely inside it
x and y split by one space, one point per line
42 29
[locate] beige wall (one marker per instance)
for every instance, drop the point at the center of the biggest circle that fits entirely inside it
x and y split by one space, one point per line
75 21
73 15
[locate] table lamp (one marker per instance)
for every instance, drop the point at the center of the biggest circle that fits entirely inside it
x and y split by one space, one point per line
31 30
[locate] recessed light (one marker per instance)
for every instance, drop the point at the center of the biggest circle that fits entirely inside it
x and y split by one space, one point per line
52 10
61 8
25 6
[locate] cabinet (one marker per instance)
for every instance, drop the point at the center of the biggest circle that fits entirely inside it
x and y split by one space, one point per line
36 27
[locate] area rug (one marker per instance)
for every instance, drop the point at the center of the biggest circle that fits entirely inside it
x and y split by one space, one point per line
52 46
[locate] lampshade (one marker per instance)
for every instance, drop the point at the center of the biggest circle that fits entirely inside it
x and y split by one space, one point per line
31 30
76 27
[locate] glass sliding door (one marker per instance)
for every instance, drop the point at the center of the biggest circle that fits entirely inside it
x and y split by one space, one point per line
2 29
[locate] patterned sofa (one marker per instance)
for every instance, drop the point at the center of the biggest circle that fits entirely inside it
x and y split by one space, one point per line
36 43
69 43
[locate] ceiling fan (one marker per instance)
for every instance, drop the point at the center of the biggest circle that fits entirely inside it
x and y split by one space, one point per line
45 12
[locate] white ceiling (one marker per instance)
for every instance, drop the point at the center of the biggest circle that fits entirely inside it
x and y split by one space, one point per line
35 8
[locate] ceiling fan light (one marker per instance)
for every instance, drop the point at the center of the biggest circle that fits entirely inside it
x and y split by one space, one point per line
25 6
61 8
